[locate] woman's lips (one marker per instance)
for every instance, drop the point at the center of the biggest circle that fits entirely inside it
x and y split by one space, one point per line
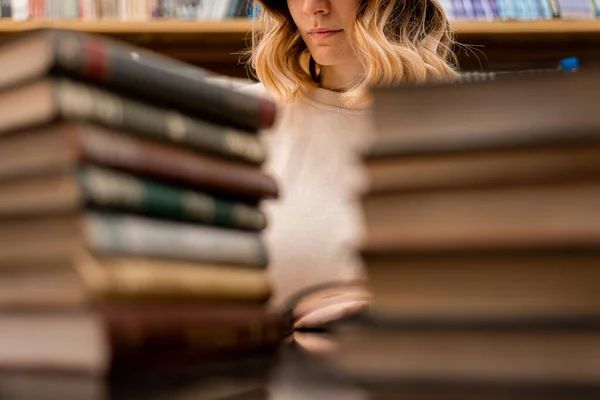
323 34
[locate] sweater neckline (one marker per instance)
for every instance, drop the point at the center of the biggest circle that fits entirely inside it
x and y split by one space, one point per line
330 100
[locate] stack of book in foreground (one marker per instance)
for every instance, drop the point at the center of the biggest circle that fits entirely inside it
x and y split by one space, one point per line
130 226
483 235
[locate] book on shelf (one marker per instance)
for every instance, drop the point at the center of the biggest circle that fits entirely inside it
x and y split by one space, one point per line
131 228
520 10
124 10
481 246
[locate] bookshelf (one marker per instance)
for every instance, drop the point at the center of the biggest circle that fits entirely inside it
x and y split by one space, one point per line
217 44
527 44
243 26
237 27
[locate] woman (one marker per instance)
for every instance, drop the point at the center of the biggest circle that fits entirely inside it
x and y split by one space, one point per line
318 58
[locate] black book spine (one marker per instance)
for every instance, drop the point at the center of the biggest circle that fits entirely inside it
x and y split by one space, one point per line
6 9
555 7
158 79
243 8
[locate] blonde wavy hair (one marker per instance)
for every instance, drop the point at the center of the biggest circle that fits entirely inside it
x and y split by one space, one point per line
396 41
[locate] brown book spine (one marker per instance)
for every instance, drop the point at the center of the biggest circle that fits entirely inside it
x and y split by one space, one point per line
491 218
492 169
117 150
125 278
168 336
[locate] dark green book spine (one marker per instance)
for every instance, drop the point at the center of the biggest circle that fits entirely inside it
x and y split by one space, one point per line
116 190
80 101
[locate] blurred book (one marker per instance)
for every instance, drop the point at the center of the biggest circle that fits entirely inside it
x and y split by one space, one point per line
130 212
482 245
125 10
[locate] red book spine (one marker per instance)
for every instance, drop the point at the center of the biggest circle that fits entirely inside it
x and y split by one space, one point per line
37 9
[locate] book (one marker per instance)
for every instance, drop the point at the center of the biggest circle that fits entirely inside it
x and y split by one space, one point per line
22 155
485 285
547 215
6 8
562 114
456 168
110 339
101 188
130 226
56 236
77 279
78 101
138 72
508 353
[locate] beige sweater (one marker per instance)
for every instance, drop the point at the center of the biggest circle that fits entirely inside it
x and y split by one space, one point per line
315 226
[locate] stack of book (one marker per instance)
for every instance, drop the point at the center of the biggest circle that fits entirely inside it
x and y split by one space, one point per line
483 235
130 221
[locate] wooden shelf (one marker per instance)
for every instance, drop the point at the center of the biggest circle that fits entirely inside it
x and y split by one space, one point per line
217 44
244 26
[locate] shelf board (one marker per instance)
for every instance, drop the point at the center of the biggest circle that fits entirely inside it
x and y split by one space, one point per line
244 26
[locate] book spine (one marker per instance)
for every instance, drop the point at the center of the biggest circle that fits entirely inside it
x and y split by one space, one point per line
118 234
166 8
247 9
178 166
142 10
169 126
233 4
469 10
112 189
498 218
69 9
555 7
20 10
109 10
161 79
124 7
6 8
52 9
140 335
146 279
479 10
493 4
37 9
88 9
543 9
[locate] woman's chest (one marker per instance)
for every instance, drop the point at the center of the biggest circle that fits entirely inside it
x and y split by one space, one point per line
318 154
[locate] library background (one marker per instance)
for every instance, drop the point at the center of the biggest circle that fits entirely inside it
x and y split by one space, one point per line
132 260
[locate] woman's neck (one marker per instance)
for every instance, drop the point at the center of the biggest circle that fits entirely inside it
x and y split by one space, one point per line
340 78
